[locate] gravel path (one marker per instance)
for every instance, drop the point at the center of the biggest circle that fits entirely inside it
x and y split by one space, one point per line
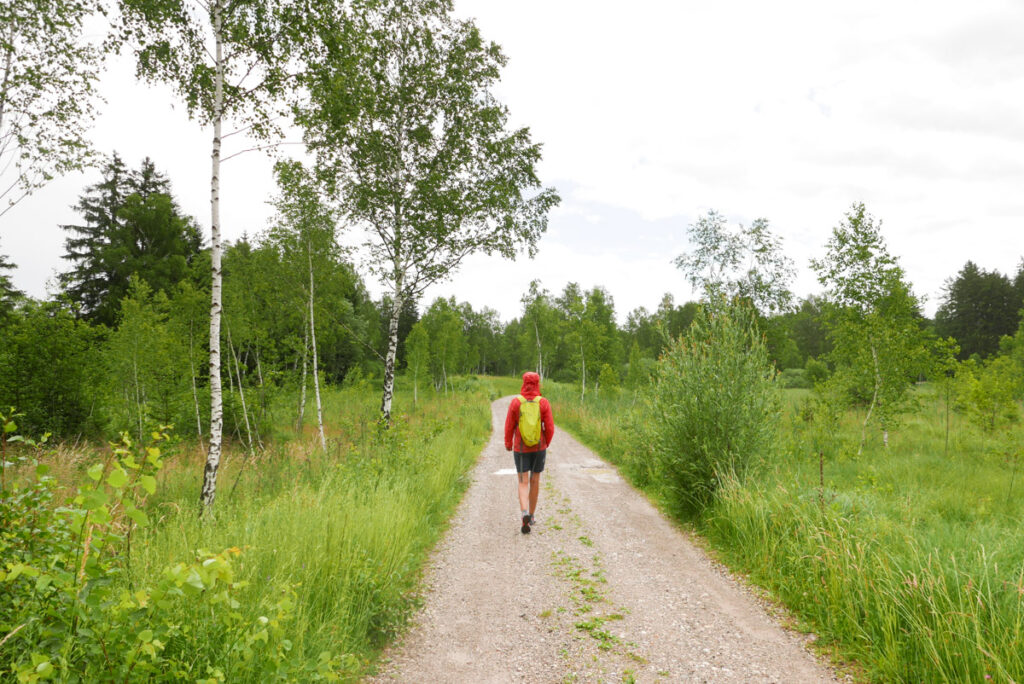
603 589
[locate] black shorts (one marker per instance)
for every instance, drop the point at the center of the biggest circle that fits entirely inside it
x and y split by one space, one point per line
530 461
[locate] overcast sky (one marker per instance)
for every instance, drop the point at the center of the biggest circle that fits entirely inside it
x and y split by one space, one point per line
653 112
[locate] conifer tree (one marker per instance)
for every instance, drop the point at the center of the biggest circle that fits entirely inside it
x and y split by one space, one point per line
131 226
9 295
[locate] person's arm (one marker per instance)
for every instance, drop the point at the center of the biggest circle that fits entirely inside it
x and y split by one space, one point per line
511 423
547 419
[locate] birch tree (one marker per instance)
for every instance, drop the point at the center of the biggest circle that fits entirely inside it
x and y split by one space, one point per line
879 346
745 263
407 131
226 61
417 355
304 232
47 93
539 321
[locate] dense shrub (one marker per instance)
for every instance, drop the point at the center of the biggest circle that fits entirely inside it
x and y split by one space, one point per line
795 378
816 371
712 408
69 611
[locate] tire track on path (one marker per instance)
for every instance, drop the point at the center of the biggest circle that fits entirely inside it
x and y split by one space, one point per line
604 589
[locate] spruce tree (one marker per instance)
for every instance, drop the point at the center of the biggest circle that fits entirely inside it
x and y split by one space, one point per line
131 226
9 295
978 308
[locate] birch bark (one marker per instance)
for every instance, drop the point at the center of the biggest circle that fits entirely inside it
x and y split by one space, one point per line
389 360
540 358
305 365
192 375
312 335
871 406
213 457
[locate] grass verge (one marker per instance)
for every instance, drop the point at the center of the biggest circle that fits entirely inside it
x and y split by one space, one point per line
908 560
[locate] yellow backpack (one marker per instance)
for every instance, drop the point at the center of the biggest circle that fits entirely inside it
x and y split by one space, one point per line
529 420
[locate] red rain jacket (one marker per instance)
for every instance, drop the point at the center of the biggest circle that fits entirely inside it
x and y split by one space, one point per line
513 440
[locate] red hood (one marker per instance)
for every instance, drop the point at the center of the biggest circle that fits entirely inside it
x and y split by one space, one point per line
531 385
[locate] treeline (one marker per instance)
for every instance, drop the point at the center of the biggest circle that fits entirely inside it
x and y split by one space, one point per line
124 344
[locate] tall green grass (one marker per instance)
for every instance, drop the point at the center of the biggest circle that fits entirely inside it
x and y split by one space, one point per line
907 560
343 533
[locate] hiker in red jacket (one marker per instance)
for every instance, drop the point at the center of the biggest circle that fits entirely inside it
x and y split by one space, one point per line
529 428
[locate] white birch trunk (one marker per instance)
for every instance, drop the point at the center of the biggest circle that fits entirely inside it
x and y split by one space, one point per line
138 401
305 365
241 389
316 368
195 392
583 383
540 358
7 78
389 361
871 406
209 491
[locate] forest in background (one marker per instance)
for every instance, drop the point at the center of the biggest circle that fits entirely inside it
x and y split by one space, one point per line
123 344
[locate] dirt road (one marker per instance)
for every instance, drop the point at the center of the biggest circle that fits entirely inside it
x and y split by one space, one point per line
603 589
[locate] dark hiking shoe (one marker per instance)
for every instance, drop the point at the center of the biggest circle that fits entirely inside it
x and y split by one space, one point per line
525 529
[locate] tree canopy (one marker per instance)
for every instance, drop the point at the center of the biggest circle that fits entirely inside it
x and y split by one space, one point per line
131 227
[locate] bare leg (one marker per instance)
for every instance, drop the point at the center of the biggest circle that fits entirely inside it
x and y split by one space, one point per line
534 491
524 490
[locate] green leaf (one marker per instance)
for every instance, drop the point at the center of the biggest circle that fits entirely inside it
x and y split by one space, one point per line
140 517
148 483
43 582
42 469
118 478
94 500
95 472
146 635
194 580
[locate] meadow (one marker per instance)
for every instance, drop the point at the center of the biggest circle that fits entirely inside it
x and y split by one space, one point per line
309 563
906 562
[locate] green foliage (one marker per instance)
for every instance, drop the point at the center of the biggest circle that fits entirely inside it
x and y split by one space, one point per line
417 346
443 325
608 381
816 371
746 264
711 409
795 378
49 369
147 366
173 44
67 610
987 392
46 93
132 227
640 368
879 345
906 561
9 295
404 90
321 555
977 309
589 338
